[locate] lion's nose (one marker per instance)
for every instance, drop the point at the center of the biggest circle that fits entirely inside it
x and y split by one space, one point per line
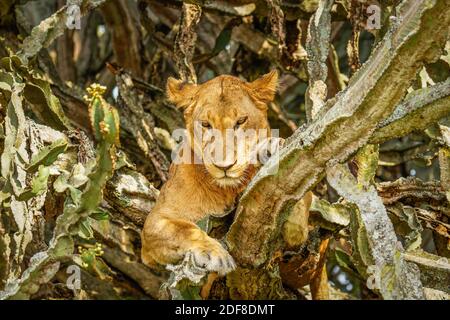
224 166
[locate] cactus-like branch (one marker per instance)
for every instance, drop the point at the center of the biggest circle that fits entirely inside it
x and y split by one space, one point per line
340 130
376 248
44 265
417 111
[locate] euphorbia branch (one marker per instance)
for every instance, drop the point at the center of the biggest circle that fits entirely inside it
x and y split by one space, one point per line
345 125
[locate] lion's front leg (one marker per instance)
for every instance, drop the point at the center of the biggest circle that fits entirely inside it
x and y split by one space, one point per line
167 240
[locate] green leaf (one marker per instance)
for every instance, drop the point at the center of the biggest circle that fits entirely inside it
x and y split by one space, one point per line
367 161
38 184
61 183
223 39
100 215
64 247
45 105
332 216
187 291
48 154
406 224
361 254
84 229
13 64
6 81
14 132
75 195
345 262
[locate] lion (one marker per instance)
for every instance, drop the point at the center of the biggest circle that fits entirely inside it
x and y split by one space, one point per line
210 186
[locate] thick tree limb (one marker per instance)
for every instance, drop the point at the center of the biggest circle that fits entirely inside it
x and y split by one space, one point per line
338 132
419 110
434 270
317 46
185 42
298 270
392 192
377 245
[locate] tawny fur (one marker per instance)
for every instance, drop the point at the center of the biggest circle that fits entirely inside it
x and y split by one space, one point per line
194 191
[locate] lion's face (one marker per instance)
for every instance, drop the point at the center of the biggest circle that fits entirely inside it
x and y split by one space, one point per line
226 119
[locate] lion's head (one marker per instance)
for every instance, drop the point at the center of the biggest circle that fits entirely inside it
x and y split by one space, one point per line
224 118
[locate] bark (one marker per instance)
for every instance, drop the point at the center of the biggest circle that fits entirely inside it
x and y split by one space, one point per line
416 112
185 42
339 131
70 195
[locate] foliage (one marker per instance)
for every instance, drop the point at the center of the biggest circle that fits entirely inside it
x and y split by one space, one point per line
85 143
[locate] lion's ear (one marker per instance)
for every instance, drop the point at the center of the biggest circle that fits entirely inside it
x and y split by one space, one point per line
264 88
180 93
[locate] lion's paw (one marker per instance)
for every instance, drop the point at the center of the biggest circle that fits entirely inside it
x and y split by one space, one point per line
213 257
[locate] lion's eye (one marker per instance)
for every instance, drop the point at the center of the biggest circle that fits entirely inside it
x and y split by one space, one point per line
240 121
205 124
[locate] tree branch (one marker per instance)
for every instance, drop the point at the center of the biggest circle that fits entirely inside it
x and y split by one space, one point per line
416 112
339 131
185 42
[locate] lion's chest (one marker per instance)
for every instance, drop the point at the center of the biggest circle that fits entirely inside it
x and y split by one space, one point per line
218 203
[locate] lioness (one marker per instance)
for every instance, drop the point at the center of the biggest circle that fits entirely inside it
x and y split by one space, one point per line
195 190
